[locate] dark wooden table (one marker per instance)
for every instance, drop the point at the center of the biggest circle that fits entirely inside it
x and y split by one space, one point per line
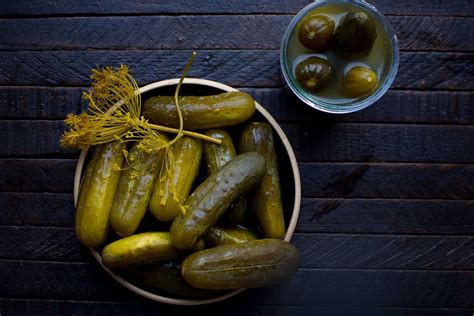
387 219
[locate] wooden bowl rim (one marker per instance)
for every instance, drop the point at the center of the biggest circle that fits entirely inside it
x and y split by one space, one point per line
291 225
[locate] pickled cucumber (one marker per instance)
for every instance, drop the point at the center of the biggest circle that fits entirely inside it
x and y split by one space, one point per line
134 190
266 198
140 249
201 112
97 192
212 197
172 189
219 236
244 265
216 157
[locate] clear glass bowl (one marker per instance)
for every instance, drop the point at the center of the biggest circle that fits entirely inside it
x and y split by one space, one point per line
386 78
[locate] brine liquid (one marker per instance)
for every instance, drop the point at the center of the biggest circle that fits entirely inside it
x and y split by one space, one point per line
377 60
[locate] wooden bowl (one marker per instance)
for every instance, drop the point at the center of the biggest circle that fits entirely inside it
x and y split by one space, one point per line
291 191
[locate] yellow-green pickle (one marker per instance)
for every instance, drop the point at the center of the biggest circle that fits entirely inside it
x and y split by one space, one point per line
219 236
266 198
359 81
216 156
244 265
101 178
140 249
172 189
135 189
219 110
212 197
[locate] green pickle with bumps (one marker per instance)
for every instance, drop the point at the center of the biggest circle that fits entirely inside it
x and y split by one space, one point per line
134 189
172 189
216 156
243 265
266 198
212 197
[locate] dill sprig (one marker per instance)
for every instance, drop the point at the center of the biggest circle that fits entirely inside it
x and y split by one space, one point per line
114 113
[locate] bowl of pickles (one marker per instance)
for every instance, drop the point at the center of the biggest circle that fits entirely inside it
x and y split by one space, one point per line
193 219
339 56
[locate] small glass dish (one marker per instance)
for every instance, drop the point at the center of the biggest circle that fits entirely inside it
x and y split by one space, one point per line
386 73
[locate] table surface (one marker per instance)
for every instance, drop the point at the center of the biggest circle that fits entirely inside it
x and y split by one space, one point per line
387 217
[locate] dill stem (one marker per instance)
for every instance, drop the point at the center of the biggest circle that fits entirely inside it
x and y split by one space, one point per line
187 133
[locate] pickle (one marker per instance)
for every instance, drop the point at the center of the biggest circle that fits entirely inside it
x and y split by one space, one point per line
97 193
266 198
212 197
134 190
140 249
218 236
168 278
172 189
216 157
244 265
200 112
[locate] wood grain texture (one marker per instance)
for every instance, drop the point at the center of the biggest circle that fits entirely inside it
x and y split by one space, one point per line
322 142
53 307
317 250
333 180
424 181
95 7
315 287
317 215
40 102
415 33
386 216
37 175
397 106
37 209
256 68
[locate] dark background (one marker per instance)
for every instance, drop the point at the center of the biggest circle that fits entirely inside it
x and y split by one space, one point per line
387 218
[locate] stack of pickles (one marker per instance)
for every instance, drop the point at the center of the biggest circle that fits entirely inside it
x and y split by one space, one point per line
212 241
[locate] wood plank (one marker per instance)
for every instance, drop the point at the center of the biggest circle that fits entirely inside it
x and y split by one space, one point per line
317 250
332 180
54 307
192 32
317 215
40 102
260 68
381 142
37 175
318 287
424 181
325 141
42 243
37 209
397 106
95 7
385 216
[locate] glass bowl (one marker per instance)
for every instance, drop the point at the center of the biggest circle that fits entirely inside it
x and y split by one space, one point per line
386 75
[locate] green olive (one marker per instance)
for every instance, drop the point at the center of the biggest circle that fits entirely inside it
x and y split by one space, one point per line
355 35
359 81
313 73
316 32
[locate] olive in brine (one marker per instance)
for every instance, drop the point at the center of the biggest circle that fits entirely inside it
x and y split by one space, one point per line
355 35
316 32
359 81
313 73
